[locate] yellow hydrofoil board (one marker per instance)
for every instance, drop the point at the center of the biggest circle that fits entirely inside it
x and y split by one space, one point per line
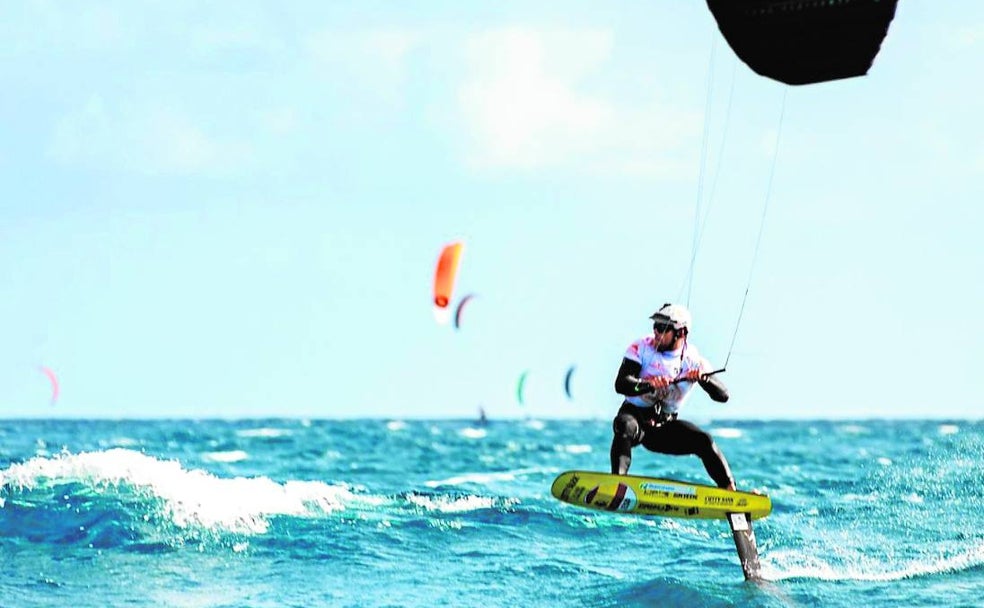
635 495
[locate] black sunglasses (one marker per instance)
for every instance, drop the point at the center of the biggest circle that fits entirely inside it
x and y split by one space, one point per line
662 327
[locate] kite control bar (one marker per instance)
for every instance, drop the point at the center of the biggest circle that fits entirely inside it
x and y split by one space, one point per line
707 375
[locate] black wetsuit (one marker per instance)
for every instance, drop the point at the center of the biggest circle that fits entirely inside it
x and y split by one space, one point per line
663 433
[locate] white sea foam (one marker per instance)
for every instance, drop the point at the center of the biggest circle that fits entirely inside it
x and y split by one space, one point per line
265 433
479 478
727 433
949 429
576 449
472 433
227 456
189 497
871 497
683 527
396 425
782 565
119 442
451 504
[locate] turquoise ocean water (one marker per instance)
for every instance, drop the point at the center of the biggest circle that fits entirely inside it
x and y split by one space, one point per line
421 513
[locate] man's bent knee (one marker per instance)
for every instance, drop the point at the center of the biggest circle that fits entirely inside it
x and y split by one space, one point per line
627 427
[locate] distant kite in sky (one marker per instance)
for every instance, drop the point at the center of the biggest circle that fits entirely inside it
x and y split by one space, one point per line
445 276
460 308
519 387
567 382
53 379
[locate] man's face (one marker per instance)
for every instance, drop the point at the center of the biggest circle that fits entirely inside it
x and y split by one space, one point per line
664 334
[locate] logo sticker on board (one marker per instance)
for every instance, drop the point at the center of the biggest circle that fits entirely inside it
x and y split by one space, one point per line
611 497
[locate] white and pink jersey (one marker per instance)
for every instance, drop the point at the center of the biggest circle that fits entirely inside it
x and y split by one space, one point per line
671 363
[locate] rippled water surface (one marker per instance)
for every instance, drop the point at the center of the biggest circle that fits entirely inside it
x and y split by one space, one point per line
414 513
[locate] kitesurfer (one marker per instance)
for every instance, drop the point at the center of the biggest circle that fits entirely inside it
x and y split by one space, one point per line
656 377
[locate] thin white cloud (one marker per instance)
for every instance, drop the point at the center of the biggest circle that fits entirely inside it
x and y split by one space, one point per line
279 121
58 27
524 113
173 143
970 36
151 140
211 39
526 104
769 143
391 46
370 66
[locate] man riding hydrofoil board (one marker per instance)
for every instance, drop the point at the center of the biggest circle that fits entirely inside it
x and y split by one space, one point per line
657 374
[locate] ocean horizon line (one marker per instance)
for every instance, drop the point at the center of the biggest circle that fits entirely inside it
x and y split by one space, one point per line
471 419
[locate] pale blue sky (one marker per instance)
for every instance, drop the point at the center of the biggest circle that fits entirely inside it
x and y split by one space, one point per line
235 209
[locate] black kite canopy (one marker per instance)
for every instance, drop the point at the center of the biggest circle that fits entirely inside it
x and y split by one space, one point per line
805 41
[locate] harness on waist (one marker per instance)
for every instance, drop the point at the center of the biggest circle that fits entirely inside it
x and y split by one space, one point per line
661 418
652 416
